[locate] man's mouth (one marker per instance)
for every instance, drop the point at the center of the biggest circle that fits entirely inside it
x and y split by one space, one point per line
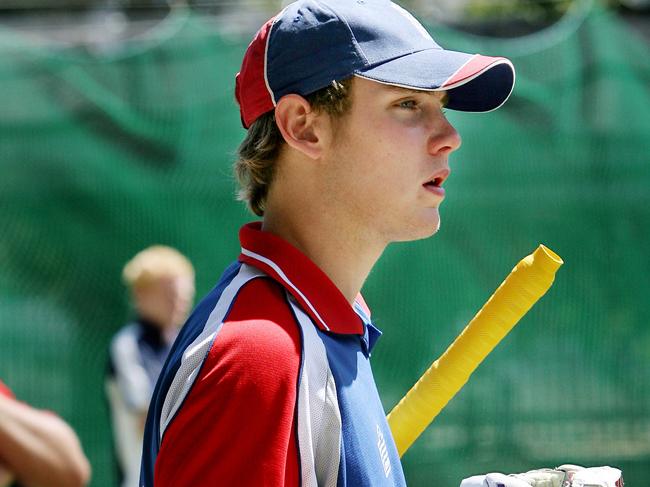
434 184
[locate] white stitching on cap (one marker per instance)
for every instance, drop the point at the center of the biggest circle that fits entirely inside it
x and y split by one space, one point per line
266 52
462 66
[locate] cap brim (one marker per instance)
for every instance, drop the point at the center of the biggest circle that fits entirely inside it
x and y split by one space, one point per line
474 83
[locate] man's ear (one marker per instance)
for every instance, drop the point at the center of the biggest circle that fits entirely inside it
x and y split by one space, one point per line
300 125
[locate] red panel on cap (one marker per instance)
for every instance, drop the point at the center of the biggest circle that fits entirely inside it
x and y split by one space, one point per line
474 66
252 94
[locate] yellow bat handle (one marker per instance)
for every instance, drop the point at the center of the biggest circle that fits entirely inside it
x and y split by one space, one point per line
527 282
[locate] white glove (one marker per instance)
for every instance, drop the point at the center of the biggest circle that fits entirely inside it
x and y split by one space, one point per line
500 480
544 477
598 477
562 476
475 481
494 479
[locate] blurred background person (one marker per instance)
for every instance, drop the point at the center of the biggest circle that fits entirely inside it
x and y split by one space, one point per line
37 448
161 284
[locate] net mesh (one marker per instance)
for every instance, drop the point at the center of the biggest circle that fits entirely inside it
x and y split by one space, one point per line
105 153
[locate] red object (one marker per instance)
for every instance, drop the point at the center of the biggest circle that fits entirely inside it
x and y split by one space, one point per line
250 82
5 391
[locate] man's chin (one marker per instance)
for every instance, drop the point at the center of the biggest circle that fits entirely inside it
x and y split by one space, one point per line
419 232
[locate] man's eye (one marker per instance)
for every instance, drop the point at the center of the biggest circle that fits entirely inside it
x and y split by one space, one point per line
408 104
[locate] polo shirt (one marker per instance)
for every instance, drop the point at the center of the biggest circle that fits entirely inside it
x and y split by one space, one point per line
269 383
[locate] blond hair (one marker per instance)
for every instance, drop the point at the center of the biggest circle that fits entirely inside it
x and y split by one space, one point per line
256 156
155 263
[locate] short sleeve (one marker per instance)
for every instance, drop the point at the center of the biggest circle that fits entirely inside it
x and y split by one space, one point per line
237 425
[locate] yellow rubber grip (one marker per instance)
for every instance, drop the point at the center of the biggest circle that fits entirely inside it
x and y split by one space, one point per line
527 282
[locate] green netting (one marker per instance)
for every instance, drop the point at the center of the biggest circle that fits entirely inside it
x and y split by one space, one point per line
105 153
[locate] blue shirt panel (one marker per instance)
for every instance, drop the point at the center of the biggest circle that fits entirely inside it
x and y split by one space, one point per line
367 443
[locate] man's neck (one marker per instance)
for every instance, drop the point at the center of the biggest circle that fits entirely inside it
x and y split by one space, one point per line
346 258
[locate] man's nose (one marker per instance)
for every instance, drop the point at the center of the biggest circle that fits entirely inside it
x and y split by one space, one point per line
444 138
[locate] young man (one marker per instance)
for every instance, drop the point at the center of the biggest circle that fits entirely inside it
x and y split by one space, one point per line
269 382
161 285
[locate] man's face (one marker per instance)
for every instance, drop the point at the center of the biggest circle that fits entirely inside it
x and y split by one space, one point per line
388 159
166 301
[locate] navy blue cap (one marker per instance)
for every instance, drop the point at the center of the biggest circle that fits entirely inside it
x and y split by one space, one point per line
311 43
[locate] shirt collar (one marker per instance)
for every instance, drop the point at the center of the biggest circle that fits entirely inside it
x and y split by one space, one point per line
303 279
372 333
